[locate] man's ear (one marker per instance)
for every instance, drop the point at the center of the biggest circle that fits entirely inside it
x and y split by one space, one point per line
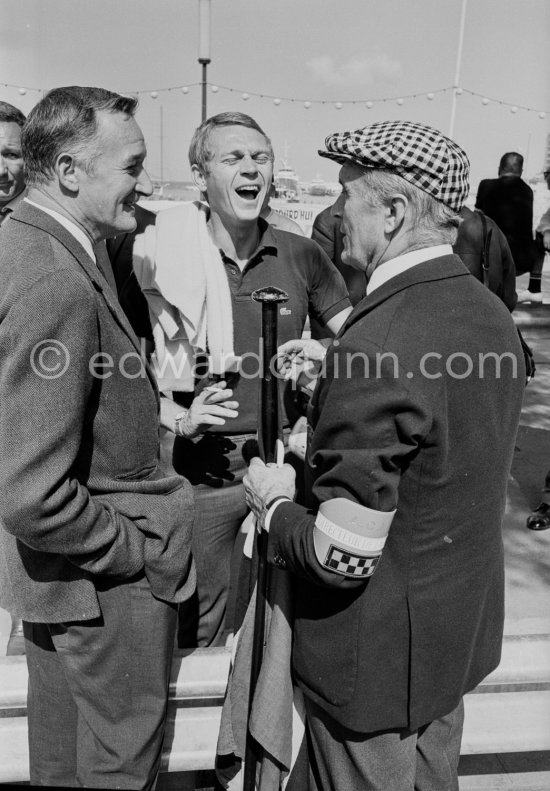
66 170
396 211
198 177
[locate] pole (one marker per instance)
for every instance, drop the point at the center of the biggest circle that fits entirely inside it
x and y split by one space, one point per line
204 86
527 150
457 69
204 48
161 150
270 299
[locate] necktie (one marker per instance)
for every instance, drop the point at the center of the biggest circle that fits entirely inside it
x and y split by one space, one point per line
104 265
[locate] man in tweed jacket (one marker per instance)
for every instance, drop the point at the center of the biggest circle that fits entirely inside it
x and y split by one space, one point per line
413 423
94 537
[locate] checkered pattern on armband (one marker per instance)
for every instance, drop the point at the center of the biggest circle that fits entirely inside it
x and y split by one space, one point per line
350 565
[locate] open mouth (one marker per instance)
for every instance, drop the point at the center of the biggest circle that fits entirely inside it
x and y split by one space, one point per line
248 192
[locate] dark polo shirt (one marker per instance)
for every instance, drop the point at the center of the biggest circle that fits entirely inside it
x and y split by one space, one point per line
296 265
285 260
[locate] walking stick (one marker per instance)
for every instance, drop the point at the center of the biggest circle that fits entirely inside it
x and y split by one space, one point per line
270 299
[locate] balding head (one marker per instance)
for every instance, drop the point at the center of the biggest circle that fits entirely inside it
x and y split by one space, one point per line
511 164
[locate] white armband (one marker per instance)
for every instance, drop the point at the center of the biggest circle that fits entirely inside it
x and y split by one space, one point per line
349 538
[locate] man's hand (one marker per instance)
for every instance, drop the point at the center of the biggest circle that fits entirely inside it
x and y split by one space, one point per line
211 407
301 358
262 483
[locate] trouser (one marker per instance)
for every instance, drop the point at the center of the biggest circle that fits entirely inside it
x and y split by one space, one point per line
529 257
215 465
400 760
98 690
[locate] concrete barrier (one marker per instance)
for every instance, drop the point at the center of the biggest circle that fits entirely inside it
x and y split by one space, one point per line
508 712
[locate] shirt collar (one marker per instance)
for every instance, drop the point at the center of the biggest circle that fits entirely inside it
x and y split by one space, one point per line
70 226
13 204
395 266
268 239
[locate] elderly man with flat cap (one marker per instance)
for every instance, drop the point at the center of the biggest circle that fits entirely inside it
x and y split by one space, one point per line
397 556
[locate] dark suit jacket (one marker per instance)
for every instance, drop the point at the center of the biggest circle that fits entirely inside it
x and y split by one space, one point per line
81 492
402 648
469 246
508 201
130 295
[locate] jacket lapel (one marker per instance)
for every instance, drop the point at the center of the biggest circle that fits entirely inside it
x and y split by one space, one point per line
442 268
30 215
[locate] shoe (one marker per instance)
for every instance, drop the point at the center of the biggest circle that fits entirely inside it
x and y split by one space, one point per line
540 518
524 295
16 641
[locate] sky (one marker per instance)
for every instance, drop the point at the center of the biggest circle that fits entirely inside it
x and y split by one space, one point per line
307 50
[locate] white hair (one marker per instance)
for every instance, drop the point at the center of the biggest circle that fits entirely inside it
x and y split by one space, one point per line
433 221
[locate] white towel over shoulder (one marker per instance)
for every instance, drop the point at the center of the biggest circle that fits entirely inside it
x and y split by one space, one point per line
181 273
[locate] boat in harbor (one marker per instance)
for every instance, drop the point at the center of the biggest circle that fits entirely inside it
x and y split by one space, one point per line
287 185
317 186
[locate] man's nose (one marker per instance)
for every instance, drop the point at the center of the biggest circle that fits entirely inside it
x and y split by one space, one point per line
337 207
3 166
248 164
144 185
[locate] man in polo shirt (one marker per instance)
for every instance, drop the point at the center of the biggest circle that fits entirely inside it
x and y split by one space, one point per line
12 176
411 438
232 163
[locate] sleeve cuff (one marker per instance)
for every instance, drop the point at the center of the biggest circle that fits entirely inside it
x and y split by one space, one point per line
271 507
335 309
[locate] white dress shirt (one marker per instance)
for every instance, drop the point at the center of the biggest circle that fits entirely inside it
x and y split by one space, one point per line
395 266
71 227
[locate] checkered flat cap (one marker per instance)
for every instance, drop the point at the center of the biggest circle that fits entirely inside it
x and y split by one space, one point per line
421 155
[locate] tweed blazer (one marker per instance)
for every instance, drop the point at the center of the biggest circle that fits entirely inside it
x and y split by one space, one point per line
400 422
81 494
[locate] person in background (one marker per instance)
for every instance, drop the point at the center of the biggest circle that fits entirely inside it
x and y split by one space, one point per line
131 298
397 556
12 175
508 200
275 218
539 519
12 192
480 242
197 267
543 228
328 235
94 536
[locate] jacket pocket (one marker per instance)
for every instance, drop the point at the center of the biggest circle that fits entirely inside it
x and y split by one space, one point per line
327 643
